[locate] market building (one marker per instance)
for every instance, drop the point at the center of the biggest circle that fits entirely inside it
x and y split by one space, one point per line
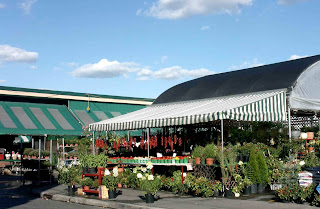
30 115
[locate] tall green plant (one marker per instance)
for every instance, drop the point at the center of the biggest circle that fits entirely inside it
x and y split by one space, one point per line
198 151
210 151
263 168
227 160
252 169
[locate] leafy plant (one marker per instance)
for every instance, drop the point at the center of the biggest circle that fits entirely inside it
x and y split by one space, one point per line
95 183
101 160
86 181
227 160
150 184
263 168
311 160
27 151
198 151
68 176
252 169
210 151
110 182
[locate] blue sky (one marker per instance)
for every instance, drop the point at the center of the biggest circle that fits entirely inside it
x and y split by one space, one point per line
141 48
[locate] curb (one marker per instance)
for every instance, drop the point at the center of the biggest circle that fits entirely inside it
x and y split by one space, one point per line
93 202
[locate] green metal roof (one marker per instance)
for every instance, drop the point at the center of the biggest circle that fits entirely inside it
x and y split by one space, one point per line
73 93
37 119
100 111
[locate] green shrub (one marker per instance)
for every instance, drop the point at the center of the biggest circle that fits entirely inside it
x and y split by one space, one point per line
198 151
210 151
252 169
263 168
87 181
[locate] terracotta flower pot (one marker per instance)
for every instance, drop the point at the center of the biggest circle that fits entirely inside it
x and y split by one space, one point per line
86 187
311 149
119 185
198 160
310 135
209 161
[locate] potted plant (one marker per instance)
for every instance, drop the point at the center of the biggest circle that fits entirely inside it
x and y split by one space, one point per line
95 184
227 162
86 182
110 181
150 185
83 160
197 154
252 171
210 152
263 171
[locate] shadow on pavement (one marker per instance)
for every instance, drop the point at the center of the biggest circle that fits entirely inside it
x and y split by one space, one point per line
14 193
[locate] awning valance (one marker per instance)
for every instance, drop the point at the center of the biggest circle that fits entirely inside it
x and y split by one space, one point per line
260 106
22 139
99 111
20 118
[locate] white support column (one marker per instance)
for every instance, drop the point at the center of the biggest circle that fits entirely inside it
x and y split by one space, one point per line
50 159
39 158
222 134
63 155
32 142
93 149
222 147
148 142
289 122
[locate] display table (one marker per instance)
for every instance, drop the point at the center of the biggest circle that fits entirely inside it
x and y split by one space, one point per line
100 174
188 165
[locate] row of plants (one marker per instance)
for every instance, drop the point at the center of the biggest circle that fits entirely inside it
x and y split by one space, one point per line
34 153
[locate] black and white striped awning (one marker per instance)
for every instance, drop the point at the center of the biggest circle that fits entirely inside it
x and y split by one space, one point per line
260 106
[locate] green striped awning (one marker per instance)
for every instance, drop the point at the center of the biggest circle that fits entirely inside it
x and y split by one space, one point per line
260 106
99 111
20 118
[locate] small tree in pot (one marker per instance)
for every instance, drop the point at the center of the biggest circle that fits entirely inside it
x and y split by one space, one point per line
197 153
210 152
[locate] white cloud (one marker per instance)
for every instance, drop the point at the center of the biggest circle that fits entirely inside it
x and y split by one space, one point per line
138 11
105 69
33 67
205 27
26 5
2 6
294 57
3 81
177 72
247 64
71 64
144 72
289 2
176 9
164 59
143 78
12 54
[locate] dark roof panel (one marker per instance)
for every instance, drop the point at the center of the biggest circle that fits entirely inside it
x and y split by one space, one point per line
263 78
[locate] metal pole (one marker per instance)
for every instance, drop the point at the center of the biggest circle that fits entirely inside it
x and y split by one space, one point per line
289 122
63 156
222 148
50 159
148 142
32 142
93 150
222 134
39 158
